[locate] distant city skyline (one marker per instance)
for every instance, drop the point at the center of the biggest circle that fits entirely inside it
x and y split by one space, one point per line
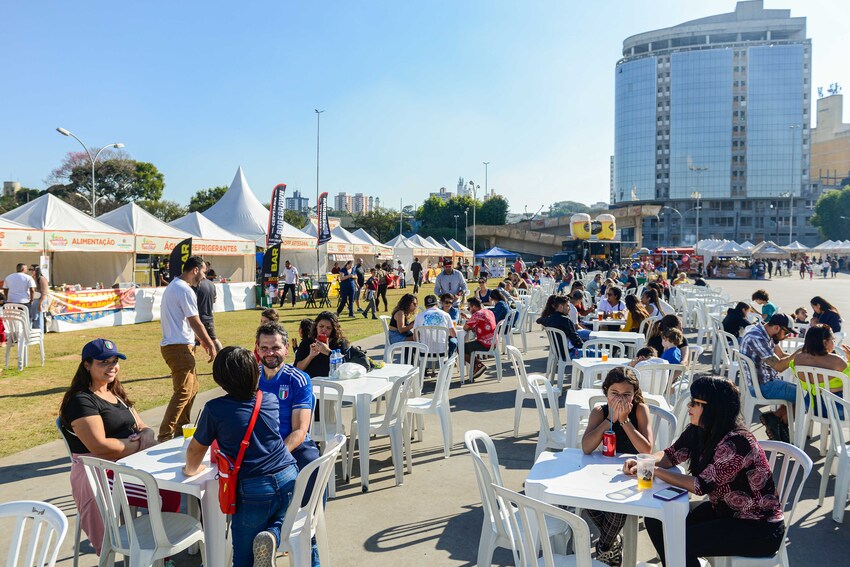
413 95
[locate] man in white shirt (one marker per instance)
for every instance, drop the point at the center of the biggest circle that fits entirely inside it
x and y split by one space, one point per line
433 316
180 325
290 282
19 287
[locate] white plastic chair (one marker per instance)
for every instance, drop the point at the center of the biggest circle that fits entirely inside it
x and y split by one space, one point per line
436 341
552 436
753 399
329 424
385 325
78 527
647 324
793 470
815 411
508 324
488 475
524 515
44 535
521 325
559 356
413 353
438 405
839 448
664 425
658 379
593 348
35 337
523 391
494 351
392 424
144 539
302 523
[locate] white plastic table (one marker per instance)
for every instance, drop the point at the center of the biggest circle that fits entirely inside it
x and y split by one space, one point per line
632 341
390 372
596 482
361 392
593 367
165 463
576 406
596 323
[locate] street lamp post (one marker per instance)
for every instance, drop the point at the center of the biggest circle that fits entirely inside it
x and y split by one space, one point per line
94 198
790 196
466 227
794 185
486 185
456 217
698 169
697 195
474 189
681 223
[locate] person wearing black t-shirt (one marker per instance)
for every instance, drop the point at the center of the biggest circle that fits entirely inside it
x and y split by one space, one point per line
163 276
416 270
313 354
97 419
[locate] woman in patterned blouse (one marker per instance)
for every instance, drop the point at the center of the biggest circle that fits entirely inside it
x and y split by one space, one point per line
743 516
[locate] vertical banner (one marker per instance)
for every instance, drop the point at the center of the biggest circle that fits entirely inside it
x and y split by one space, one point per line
323 229
277 207
271 266
178 257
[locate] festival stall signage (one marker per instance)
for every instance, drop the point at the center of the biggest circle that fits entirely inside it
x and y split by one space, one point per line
155 244
57 241
21 240
204 247
274 231
88 305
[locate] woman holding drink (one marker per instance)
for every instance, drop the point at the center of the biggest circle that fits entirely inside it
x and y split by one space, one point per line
622 426
743 515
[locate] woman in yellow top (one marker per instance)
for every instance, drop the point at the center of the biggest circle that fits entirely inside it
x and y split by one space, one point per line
635 314
818 351
680 279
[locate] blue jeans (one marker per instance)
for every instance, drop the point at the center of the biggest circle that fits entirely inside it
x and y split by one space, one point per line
260 506
583 334
452 345
779 390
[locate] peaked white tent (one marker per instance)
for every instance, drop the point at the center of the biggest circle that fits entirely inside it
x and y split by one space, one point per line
360 247
406 249
336 249
234 256
769 249
240 212
18 244
152 236
796 247
442 247
83 250
383 251
747 245
459 249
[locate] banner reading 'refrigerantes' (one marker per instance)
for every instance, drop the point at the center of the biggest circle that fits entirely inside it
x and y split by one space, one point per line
323 229
274 232
178 257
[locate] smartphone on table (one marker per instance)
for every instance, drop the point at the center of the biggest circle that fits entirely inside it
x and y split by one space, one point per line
669 493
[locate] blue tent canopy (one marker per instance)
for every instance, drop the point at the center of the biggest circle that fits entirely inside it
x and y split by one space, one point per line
496 252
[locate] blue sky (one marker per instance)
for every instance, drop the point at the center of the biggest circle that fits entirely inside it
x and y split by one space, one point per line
415 94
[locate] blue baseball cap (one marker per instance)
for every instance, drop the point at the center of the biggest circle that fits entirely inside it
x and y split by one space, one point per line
101 349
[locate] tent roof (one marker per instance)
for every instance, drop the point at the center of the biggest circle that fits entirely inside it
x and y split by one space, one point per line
4 223
748 245
796 246
457 246
433 242
240 212
829 244
399 240
310 229
769 249
200 226
366 237
133 219
421 242
350 237
730 248
51 213
496 252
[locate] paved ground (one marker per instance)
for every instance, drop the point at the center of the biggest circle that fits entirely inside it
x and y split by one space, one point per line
435 516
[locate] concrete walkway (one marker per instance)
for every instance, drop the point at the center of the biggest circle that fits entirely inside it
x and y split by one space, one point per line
435 517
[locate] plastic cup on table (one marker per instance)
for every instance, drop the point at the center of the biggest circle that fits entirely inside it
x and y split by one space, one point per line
601 315
605 353
645 470
189 430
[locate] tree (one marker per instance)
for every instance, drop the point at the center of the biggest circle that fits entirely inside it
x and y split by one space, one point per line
493 211
206 198
119 180
830 212
565 208
166 211
22 196
381 224
295 218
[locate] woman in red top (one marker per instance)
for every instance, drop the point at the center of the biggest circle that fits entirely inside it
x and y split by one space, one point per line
483 323
743 516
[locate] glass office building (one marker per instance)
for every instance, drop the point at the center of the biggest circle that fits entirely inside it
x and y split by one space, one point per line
712 122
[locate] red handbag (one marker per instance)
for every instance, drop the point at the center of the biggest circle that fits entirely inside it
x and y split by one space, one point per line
228 471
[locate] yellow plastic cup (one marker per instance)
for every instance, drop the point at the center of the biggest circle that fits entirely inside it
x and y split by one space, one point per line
645 471
189 431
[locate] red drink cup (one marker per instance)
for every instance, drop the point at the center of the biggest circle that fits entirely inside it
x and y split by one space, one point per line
609 443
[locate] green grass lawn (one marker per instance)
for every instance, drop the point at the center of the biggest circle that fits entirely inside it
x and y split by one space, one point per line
29 400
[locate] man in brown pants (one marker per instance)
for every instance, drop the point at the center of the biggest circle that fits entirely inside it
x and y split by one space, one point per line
180 325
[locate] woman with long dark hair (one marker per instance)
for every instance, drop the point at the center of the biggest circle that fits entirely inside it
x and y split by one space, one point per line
97 419
635 314
402 318
819 351
556 314
826 313
313 354
268 472
649 298
743 516
736 319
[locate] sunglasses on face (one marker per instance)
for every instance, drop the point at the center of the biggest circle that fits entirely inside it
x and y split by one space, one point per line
696 402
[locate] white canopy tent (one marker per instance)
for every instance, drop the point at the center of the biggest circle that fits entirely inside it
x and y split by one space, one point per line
83 250
445 250
406 249
240 212
769 249
796 247
335 250
361 248
383 252
459 249
19 244
747 245
231 256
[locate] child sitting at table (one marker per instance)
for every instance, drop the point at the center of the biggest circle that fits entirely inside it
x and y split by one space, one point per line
670 340
628 416
646 355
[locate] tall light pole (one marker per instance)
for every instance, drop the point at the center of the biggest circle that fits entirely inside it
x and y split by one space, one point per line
794 185
474 189
698 169
318 227
681 223
466 227
486 186
94 198
456 217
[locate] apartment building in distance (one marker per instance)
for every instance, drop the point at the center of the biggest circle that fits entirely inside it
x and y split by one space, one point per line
357 204
297 203
831 141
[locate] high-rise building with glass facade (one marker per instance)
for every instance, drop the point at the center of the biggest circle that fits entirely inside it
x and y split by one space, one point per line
712 121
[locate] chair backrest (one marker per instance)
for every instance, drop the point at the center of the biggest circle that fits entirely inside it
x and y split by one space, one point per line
444 381
790 475
397 402
37 543
434 338
328 418
515 357
16 323
487 474
111 496
593 348
658 379
385 324
694 352
524 517
558 343
837 423
680 410
503 329
748 375
819 379
647 325
597 400
325 467
664 425
536 383
407 352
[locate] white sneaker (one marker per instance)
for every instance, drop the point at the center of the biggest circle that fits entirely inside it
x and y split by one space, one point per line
265 547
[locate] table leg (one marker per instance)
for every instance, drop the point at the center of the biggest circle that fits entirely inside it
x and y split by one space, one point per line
572 420
630 537
461 361
216 534
675 516
362 409
578 377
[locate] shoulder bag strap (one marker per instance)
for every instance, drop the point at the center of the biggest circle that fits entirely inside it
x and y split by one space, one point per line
247 440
